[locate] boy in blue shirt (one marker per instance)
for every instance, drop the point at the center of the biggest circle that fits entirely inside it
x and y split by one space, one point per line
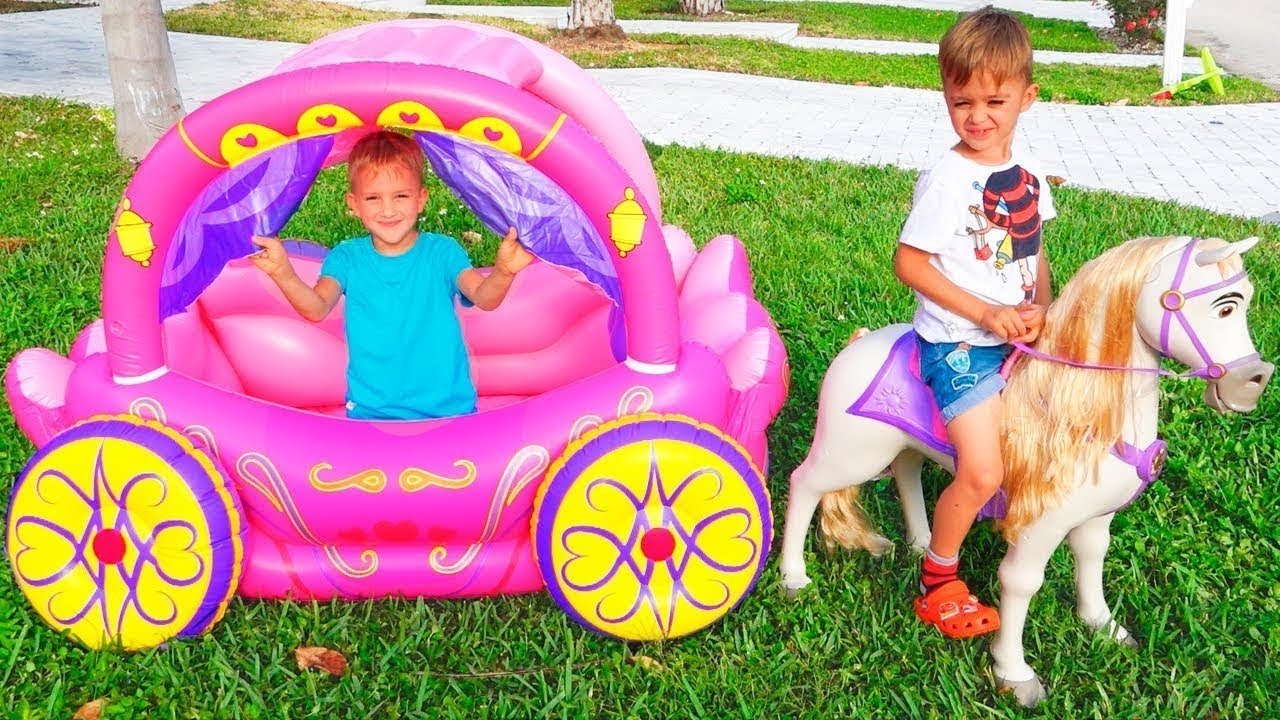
407 358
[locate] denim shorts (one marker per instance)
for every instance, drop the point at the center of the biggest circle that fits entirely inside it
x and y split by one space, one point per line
962 376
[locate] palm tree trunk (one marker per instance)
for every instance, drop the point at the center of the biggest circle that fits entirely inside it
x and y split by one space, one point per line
143 80
591 13
701 7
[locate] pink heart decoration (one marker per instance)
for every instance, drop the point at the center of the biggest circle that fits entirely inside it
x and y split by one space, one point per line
492 135
328 120
410 118
248 141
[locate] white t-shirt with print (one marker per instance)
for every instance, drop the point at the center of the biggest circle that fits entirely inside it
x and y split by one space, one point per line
981 224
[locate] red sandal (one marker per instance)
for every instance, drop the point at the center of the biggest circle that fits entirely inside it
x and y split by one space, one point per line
952 609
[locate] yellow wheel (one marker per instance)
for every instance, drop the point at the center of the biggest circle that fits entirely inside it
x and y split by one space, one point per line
122 532
652 527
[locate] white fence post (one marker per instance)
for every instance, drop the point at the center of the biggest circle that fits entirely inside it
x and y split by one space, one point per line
1175 35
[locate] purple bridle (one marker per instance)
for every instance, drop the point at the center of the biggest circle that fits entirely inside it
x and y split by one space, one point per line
1172 300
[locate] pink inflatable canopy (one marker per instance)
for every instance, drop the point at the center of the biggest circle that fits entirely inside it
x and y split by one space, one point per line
523 136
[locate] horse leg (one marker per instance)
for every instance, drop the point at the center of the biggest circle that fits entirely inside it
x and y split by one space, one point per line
1089 542
906 472
829 469
1021 575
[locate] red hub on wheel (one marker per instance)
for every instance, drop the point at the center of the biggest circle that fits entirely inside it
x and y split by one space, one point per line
108 545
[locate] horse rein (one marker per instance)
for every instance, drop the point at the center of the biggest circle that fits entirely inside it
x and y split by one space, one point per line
1172 301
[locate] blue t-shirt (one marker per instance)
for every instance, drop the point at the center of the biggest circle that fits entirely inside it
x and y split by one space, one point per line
407 359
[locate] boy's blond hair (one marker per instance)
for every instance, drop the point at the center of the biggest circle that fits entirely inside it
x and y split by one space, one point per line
988 41
381 149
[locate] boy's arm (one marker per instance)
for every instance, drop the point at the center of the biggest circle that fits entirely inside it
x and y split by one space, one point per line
487 293
911 265
313 304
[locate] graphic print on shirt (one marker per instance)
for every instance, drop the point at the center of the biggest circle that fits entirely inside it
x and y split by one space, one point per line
1011 209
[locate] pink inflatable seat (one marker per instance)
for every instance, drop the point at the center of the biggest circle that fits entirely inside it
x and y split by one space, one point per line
242 335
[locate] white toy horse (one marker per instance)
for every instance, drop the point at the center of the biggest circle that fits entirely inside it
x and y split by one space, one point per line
1080 423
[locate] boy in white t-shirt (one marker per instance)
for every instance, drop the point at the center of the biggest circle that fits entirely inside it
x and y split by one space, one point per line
971 250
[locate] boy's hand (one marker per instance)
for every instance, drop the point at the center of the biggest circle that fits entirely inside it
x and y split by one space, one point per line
1033 316
272 259
511 257
1003 320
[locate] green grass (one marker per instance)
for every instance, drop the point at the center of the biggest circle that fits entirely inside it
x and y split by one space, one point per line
18 6
304 21
846 20
1194 569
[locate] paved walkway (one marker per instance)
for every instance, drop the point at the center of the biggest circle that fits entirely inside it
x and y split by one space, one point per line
1222 157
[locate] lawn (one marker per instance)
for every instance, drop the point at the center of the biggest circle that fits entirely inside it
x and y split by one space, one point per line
1194 570
845 20
17 6
303 21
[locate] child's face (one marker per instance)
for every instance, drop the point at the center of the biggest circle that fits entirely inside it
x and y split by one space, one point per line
388 200
985 113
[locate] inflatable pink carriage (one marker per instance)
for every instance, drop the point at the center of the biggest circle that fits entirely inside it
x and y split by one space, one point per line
193 445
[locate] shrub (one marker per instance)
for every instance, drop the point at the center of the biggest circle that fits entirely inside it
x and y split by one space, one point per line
1139 18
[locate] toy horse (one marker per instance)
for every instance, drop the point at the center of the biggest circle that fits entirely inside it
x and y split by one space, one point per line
1080 414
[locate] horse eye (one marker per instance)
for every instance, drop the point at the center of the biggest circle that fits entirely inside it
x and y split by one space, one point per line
1226 310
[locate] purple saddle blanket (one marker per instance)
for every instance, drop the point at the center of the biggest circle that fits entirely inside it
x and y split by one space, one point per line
899 397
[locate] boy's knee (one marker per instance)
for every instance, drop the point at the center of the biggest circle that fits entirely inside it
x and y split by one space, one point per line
982 482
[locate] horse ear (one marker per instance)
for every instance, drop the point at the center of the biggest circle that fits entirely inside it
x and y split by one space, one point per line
1213 257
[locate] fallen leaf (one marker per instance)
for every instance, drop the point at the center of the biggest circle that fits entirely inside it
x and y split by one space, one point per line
12 243
1055 180
1121 102
862 83
647 663
322 658
470 236
90 710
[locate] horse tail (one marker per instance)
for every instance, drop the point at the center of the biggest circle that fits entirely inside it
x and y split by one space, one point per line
843 522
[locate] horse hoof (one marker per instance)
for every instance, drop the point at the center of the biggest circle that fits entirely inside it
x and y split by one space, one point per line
1029 693
793 588
1117 634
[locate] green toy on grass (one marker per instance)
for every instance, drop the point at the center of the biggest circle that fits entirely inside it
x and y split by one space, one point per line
1212 73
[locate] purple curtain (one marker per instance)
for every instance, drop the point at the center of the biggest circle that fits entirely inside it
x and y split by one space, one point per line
505 191
256 197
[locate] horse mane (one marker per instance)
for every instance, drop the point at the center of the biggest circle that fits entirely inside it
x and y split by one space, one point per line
1059 418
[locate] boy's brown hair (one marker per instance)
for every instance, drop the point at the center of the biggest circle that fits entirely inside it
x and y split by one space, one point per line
381 149
987 41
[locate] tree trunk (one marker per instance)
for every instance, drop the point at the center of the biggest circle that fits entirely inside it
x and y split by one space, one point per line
701 7
591 13
143 81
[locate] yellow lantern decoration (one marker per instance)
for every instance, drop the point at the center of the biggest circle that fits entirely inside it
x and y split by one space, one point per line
134 235
626 224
